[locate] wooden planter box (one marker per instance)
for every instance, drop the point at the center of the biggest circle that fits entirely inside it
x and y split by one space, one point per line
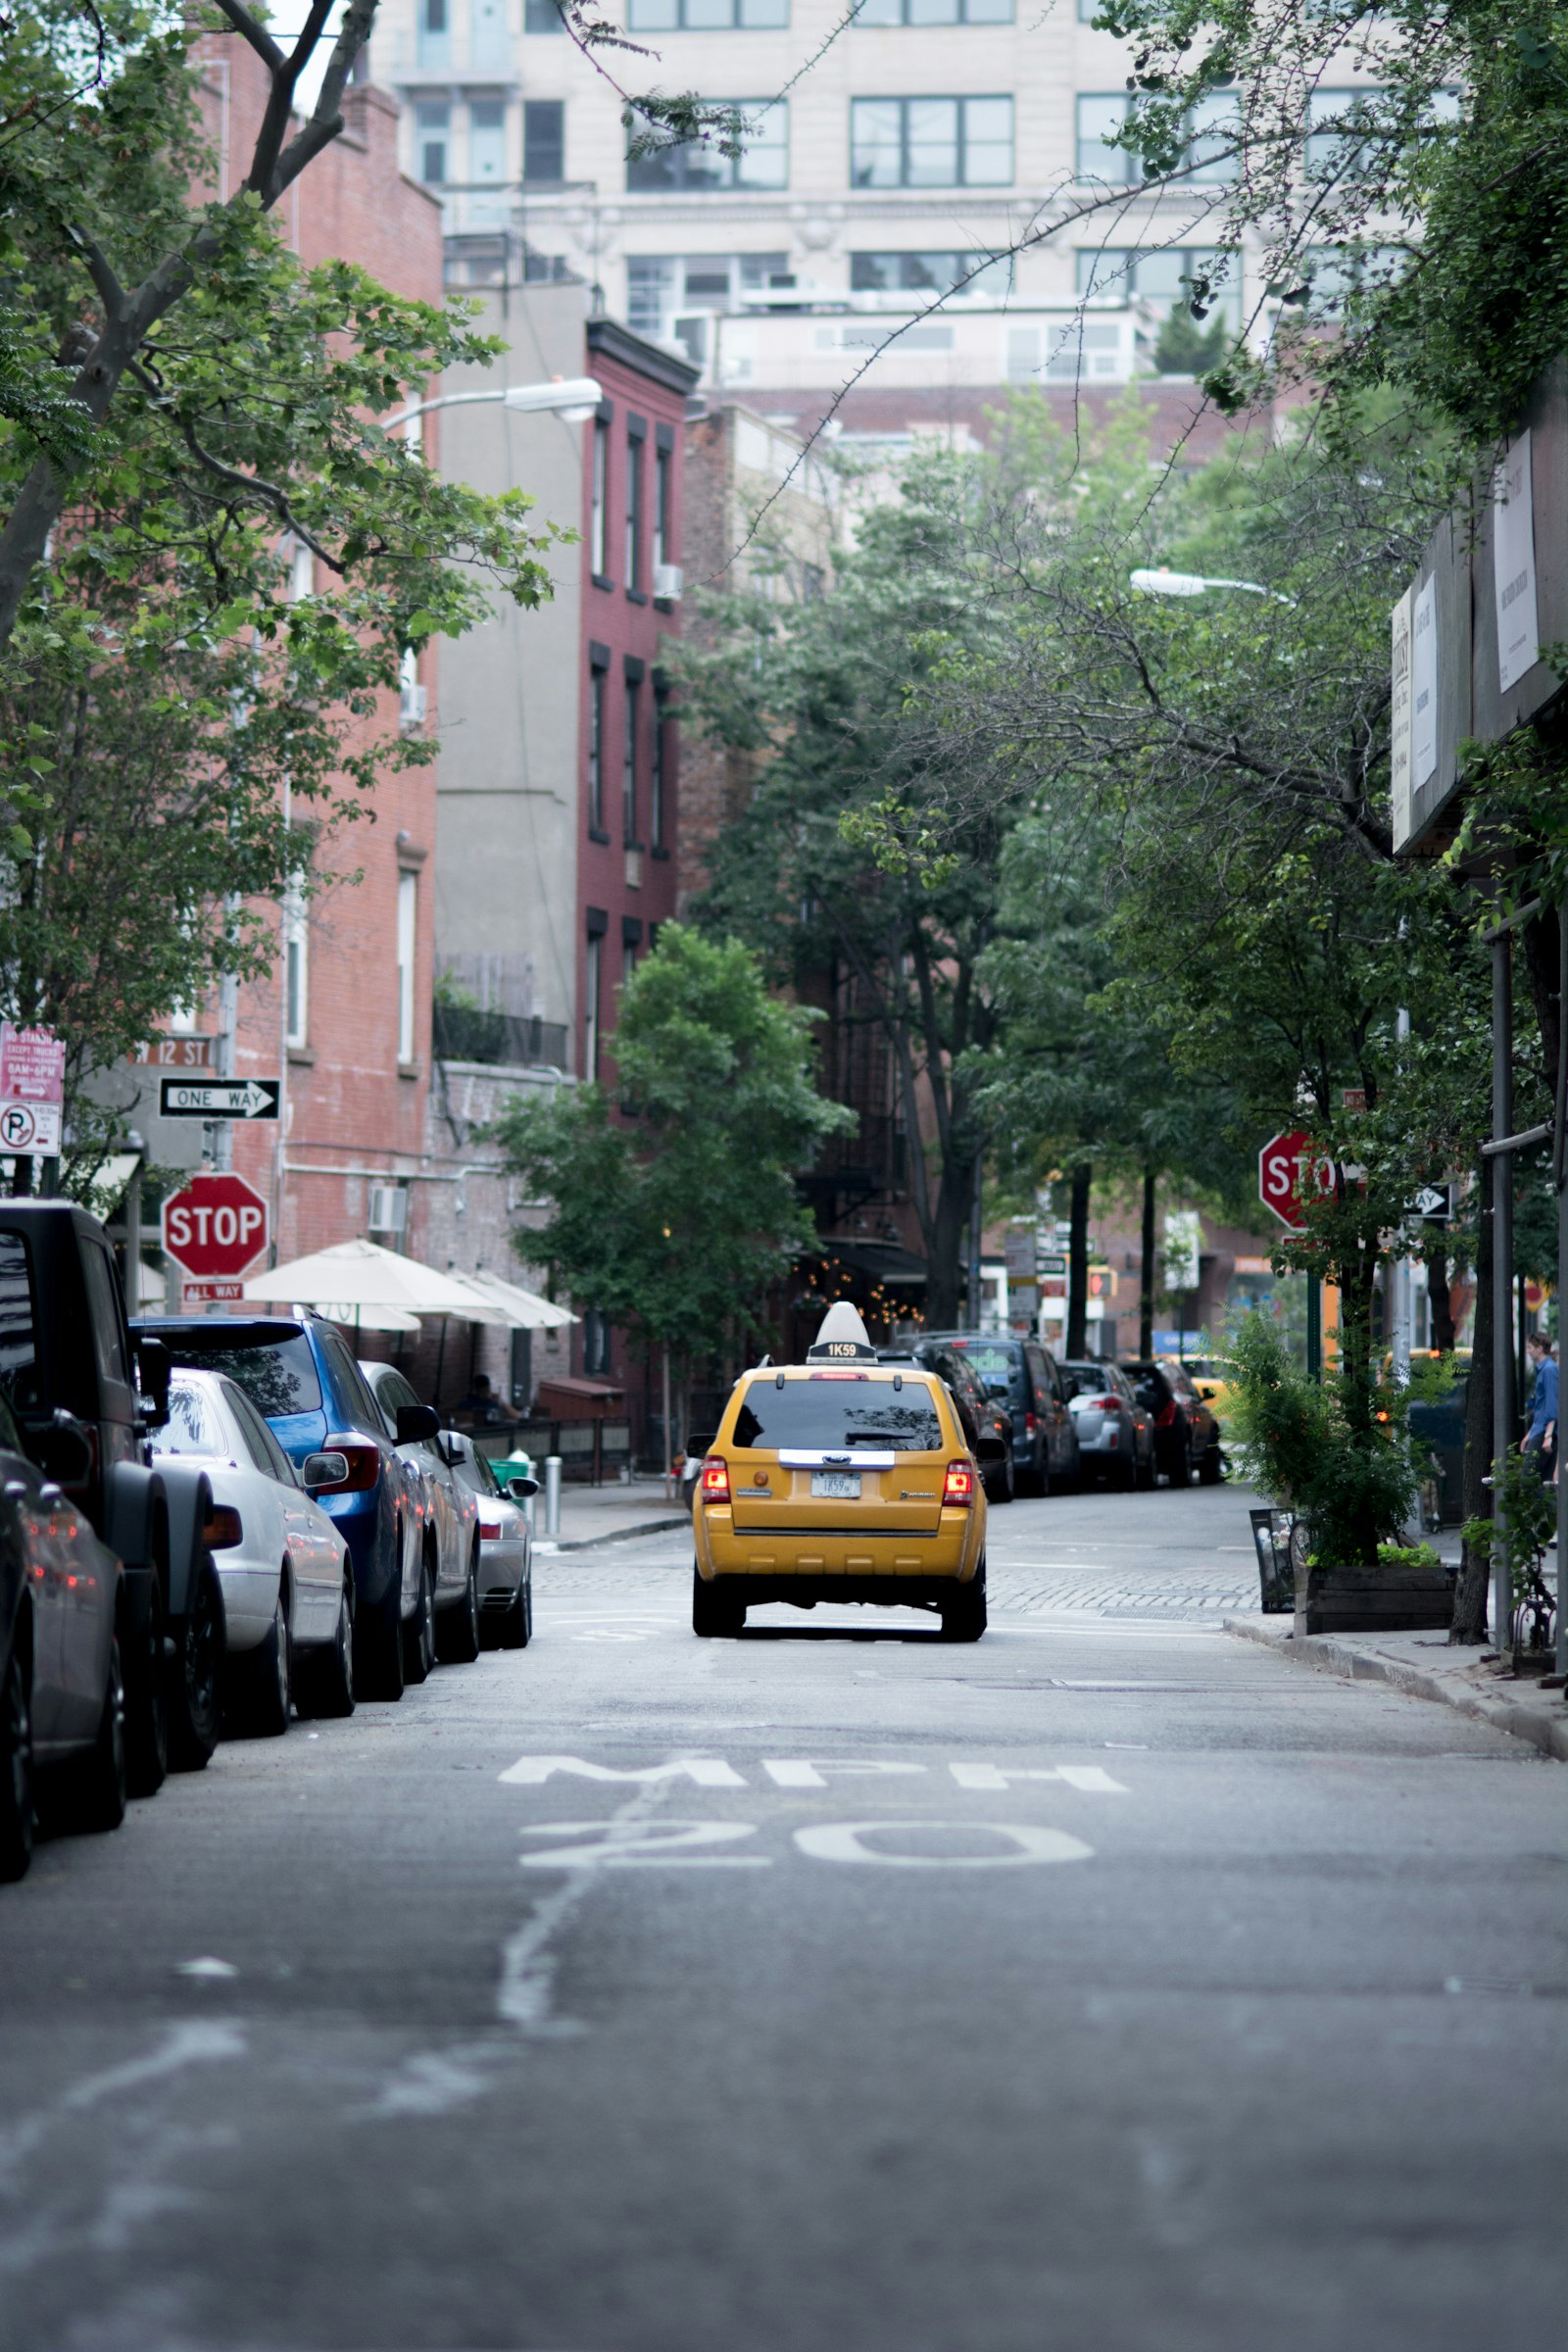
1373 1600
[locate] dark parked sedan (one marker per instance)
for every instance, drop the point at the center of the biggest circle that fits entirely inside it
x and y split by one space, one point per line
1186 1432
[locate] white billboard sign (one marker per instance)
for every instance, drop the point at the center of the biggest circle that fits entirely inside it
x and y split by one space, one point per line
1400 622
1424 687
1513 566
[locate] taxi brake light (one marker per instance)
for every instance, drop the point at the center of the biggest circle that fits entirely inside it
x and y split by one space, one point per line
716 1479
838 1376
958 1488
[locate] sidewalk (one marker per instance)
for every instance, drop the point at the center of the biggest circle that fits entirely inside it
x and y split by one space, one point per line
608 1515
1425 1667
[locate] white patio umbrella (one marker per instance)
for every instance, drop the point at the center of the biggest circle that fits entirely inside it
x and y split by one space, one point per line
351 1279
366 1318
512 1306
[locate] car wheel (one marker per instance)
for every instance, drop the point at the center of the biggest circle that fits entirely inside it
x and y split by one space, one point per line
1212 1469
516 1626
194 1699
326 1679
144 1699
18 1818
263 1680
714 1612
964 1612
378 1665
1181 1466
418 1635
456 1631
100 1790
1005 1488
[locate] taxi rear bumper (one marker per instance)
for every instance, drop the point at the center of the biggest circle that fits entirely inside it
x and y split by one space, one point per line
839 1556
803 1590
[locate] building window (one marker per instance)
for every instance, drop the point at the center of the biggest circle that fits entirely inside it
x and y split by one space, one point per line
931 142
487 162
596 1336
706 16
544 139
698 165
296 972
663 516
1337 125
1214 132
434 32
1121 273
628 765
593 974
408 945
938 12
599 511
432 128
596 750
628 961
930 273
656 776
1100 118
634 510
541 16
661 286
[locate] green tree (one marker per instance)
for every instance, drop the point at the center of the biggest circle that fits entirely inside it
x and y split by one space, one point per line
674 1220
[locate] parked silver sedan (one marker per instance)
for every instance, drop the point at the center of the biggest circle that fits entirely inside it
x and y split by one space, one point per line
506 1542
1115 1435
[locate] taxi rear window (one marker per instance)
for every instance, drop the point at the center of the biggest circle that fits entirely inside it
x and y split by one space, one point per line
838 1415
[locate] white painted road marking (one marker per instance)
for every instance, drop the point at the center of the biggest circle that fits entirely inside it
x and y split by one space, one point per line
796 1772
633 1845
709 1772
843 1841
1092 1779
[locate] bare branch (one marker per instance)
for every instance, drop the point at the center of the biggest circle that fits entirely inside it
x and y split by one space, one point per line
260 39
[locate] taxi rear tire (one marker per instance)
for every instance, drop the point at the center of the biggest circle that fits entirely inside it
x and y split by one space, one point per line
963 1614
714 1611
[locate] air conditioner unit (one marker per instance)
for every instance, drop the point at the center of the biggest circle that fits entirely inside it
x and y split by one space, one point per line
389 1209
668 582
412 705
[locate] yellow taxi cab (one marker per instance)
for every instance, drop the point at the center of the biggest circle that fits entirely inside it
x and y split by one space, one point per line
841 1479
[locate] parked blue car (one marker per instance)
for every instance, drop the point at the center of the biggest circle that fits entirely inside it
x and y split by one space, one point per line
299 1371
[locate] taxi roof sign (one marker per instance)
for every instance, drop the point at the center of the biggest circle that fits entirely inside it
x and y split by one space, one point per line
843 1338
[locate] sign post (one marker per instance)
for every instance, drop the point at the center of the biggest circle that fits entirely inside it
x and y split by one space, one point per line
215 1229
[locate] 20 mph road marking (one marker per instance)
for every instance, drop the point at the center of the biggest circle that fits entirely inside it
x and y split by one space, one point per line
1092 1779
845 1842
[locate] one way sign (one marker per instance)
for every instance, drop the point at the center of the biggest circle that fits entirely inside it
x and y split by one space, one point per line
1433 1202
218 1097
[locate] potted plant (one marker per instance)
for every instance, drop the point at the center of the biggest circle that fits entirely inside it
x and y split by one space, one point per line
1336 1453
1524 1526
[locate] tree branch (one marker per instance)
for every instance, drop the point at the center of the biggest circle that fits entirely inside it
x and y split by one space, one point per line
260 39
282 170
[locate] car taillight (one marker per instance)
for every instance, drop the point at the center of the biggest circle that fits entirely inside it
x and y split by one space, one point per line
222 1529
1106 1404
489 1531
716 1479
364 1461
1031 1423
958 1488
1165 1415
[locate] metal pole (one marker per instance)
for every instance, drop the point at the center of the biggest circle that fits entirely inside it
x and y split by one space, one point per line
552 1493
1559 1169
1503 1375
132 1284
1315 1328
670 1463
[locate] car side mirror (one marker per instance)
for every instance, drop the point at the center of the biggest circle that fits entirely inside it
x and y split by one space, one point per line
990 1448
521 1488
154 1372
321 1471
417 1424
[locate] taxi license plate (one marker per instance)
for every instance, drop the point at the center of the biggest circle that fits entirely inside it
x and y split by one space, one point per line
842 1484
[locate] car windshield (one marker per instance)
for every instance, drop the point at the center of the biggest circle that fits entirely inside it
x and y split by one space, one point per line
837 1415
193 1425
994 1364
279 1377
1093 1379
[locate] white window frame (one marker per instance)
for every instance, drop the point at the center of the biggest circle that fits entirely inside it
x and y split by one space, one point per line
296 972
408 947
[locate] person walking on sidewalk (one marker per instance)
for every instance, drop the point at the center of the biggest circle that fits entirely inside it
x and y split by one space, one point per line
1541 1438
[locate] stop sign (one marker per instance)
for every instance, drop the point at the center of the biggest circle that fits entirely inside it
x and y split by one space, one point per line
214 1227
1289 1172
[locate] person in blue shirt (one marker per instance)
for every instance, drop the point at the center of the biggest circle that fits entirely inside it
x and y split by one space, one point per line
1541 1438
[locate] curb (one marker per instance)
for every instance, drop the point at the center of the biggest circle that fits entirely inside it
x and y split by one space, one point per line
548 1547
1323 1654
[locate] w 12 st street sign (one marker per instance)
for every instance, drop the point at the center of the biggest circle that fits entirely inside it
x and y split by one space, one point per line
218 1097
1290 1173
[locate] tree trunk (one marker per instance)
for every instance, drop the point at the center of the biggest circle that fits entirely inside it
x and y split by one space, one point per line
1078 1262
1146 1284
1470 1592
948 1248
1440 1294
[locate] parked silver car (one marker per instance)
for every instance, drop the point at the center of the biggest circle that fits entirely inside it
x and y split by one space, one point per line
1115 1435
451 1525
506 1540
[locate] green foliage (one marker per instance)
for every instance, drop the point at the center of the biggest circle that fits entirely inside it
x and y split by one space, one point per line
675 1222
1521 1529
1311 1450
1182 347
1408 1555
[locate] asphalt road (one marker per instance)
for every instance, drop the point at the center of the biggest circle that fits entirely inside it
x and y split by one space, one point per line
1110 1983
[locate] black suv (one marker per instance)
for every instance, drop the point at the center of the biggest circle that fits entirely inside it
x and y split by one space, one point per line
1186 1432
1021 1374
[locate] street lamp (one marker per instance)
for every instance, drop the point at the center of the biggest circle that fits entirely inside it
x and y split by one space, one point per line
572 398
1192 583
